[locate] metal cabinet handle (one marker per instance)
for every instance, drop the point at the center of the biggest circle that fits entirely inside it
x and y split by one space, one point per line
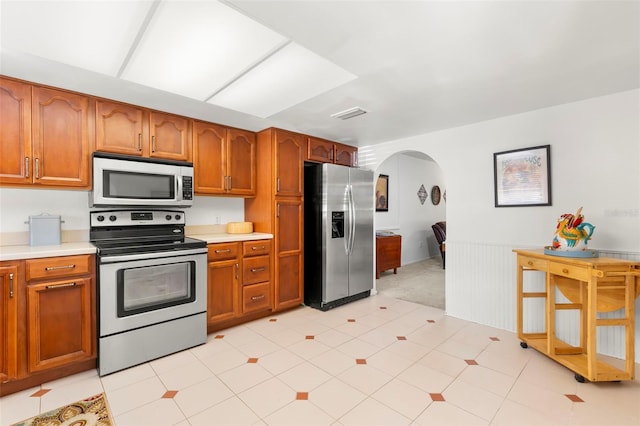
258 248
278 185
61 285
257 269
140 142
256 298
223 251
153 144
54 268
11 285
237 270
26 166
37 168
565 270
229 186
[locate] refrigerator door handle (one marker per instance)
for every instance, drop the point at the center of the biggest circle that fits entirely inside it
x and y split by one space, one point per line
352 219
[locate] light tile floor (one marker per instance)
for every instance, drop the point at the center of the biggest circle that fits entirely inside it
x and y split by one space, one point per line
377 361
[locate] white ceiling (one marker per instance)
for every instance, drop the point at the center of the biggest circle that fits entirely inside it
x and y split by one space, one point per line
419 66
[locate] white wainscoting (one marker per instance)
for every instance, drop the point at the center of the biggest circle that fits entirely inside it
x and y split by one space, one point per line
481 287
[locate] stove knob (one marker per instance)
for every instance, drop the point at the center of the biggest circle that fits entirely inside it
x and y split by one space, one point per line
112 218
168 217
178 217
100 218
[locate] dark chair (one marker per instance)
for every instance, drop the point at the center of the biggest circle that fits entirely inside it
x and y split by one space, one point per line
440 231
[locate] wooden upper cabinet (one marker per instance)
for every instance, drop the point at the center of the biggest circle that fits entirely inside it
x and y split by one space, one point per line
120 128
324 151
170 136
130 130
346 155
45 140
15 132
289 163
241 162
224 160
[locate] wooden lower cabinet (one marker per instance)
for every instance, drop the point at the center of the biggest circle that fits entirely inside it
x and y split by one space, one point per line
10 272
239 283
48 327
388 253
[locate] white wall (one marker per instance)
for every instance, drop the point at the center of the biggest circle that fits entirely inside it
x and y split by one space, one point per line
16 205
595 163
406 215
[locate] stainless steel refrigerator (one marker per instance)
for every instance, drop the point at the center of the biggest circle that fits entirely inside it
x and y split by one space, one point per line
339 237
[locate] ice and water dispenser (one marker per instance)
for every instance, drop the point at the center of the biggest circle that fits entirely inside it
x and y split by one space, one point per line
337 224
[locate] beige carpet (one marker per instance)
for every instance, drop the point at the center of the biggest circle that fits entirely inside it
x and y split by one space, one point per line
421 282
92 411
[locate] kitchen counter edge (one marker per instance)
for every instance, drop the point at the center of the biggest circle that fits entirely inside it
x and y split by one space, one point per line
21 252
227 238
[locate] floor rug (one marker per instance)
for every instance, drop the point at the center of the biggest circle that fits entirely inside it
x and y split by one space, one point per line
92 411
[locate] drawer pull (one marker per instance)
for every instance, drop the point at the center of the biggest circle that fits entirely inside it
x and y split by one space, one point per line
530 263
258 248
61 285
565 271
256 298
11 285
55 268
257 269
224 251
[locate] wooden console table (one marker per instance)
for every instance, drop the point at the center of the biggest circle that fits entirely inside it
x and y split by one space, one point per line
591 285
388 253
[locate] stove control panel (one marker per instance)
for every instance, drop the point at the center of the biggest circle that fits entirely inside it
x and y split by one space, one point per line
136 217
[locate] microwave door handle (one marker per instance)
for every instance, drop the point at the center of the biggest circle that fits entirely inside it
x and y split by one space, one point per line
179 188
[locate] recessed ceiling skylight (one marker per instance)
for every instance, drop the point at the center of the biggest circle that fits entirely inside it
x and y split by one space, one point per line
291 75
195 48
95 36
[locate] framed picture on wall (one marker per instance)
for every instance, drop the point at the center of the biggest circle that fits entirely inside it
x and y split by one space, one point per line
382 193
522 177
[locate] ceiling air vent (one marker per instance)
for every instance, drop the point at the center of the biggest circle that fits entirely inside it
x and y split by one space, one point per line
349 113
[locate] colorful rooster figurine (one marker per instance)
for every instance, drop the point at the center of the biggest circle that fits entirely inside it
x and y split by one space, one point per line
572 233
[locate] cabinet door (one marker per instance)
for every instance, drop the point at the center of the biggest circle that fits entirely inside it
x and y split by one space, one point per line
60 326
61 145
15 132
319 150
170 137
241 161
288 253
209 158
222 297
346 155
289 161
119 128
9 323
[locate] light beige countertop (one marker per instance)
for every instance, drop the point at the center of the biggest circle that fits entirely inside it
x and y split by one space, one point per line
18 252
223 237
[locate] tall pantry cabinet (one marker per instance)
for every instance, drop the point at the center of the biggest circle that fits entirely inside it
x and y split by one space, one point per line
278 209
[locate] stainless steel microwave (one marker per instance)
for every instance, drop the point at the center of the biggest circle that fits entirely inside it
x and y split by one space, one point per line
120 180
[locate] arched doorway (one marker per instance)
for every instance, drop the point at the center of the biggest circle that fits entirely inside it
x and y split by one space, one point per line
416 200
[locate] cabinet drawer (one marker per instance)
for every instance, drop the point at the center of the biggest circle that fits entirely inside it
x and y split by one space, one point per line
51 267
256 248
532 263
222 251
256 297
255 270
573 272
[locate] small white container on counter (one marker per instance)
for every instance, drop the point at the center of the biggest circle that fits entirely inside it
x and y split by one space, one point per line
44 230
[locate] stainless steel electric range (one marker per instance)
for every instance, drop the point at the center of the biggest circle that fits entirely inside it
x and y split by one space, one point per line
152 286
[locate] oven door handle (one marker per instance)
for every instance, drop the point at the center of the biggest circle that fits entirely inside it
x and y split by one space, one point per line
156 255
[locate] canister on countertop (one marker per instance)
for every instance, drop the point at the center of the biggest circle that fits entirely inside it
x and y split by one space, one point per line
44 230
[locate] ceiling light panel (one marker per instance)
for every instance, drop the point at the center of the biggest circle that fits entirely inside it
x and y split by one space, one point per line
292 75
193 48
92 35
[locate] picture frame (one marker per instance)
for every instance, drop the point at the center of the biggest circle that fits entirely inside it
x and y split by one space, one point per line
522 177
382 193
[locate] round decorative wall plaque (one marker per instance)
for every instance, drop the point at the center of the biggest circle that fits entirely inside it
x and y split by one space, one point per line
435 195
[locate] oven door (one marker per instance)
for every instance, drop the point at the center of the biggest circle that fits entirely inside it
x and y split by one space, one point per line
144 289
